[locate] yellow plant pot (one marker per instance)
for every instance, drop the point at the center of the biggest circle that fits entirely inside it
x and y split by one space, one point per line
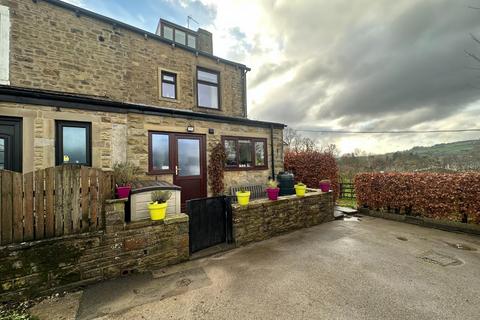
243 198
157 210
300 190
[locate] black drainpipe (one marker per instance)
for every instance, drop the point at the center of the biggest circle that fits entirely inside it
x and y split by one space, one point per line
244 92
272 151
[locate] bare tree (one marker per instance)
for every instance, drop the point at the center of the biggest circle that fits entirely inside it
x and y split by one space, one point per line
297 142
289 135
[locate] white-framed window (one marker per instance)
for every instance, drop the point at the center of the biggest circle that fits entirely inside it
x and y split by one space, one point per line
4 44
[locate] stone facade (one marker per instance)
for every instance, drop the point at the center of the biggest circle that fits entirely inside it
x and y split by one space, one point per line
263 219
119 137
53 48
42 267
56 48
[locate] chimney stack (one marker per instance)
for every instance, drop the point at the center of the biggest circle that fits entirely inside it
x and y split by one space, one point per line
205 42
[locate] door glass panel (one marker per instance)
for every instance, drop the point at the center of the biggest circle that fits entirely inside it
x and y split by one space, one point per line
74 145
160 152
188 157
2 153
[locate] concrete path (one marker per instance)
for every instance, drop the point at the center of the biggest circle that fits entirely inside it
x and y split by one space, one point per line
363 268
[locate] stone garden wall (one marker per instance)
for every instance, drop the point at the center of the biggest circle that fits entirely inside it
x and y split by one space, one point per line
263 219
41 267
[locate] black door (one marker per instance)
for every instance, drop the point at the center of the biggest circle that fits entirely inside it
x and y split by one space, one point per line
11 144
210 222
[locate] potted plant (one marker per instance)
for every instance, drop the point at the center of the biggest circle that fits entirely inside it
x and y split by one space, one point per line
158 206
243 197
300 189
273 190
325 185
125 173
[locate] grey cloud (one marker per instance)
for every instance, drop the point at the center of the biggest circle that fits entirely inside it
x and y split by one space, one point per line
269 71
383 60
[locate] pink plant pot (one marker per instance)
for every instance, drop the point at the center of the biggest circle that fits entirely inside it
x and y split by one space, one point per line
123 192
325 186
273 193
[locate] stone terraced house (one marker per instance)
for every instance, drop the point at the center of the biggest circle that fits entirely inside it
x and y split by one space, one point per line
78 87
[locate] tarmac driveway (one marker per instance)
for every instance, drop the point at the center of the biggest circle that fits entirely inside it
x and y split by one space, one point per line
367 269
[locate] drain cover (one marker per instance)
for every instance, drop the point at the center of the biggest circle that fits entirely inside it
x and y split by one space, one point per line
460 246
441 259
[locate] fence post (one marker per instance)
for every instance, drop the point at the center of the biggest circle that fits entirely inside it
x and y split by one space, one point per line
28 207
7 207
17 207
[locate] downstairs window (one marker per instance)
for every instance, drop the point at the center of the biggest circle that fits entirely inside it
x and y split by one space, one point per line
245 153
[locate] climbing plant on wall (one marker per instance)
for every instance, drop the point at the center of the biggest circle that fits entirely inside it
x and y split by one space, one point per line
215 169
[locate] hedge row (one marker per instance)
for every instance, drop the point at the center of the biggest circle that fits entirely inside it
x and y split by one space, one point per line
311 167
453 197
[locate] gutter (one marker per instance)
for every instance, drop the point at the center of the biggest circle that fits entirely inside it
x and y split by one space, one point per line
93 103
146 34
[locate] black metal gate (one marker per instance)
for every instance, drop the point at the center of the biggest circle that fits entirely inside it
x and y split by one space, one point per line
210 222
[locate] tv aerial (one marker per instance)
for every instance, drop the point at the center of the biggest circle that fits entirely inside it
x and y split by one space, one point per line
188 21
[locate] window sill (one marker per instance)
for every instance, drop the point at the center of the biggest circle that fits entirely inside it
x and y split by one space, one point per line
245 168
168 99
208 108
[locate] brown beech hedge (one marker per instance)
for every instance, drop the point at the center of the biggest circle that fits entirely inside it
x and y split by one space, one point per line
311 167
454 197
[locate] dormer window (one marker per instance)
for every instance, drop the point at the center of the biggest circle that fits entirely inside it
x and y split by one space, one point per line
168 33
179 35
192 41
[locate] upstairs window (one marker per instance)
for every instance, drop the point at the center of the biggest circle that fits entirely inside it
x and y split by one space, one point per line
207 89
168 33
245 153
169 85
180 37
192 41
73 143
4 44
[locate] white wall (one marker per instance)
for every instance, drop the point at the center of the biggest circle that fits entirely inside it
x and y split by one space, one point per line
4 44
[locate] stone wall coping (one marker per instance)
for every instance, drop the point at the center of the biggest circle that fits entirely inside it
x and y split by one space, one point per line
281 199
110 201
169 219
29 244
176 218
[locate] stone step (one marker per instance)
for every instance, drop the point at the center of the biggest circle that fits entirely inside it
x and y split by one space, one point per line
346 210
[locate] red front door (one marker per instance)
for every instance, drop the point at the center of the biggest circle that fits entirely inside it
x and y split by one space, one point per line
190 166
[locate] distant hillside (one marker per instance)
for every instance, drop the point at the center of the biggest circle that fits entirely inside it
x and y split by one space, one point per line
446 157
447 149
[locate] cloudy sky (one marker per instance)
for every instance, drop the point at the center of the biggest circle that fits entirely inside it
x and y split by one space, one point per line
342 65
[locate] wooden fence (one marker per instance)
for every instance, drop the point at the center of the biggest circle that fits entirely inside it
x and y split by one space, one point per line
347 190
52 202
